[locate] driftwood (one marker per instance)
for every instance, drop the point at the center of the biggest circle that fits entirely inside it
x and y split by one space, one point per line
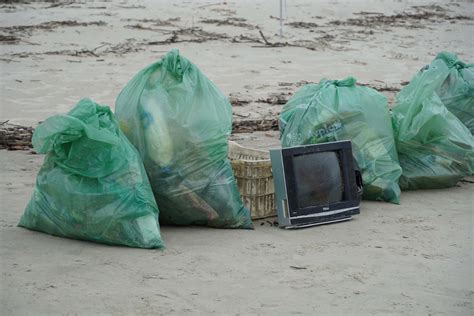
245 39
15 137
276 98
253 125
155 22
9 39
192 35
311 45
231 21
47 26
303 25
237 99
417 19
380 88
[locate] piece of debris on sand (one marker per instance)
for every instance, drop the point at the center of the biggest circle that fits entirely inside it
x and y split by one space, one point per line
237 99
46 26
254 125
155 22
276 98
15 137
416 17
9 39
302 25
232 21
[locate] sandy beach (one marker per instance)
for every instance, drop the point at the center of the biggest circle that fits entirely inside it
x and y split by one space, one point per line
415 258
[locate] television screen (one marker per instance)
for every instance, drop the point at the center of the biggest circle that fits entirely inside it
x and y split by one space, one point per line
318 179
315 184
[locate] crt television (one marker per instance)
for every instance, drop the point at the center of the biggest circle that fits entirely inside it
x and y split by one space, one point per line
315 184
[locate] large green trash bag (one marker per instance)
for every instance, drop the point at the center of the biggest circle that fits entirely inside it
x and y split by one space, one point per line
457 90
92 185
434 147
180 122
340 110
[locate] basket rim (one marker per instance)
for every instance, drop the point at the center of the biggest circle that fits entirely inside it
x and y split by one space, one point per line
260 163
236 149
258 195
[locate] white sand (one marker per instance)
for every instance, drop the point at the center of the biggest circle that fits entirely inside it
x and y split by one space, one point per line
414 259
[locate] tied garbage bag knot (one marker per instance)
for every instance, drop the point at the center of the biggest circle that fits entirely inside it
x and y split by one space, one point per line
347 82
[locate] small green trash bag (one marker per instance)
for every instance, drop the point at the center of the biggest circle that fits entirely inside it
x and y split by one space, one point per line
457 90
92 185
434 147
340 110
180 121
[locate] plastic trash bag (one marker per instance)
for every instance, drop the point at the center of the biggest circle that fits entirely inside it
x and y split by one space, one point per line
457 90
340 110
434 147
179 121
92 185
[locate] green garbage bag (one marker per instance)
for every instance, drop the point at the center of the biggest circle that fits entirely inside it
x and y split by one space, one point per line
434 147
179 121
92 185
340 110
457 90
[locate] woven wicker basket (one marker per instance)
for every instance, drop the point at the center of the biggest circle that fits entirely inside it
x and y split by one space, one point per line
253 172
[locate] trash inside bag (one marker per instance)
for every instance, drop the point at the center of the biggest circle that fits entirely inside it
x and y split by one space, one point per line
92 185
180 121
457 90
336 110
434 147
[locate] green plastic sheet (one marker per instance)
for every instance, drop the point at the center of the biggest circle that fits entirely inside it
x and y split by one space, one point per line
180 122
457 90
92 185
435 148
336 110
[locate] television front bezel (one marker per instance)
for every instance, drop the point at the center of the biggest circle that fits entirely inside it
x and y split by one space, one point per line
351 199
